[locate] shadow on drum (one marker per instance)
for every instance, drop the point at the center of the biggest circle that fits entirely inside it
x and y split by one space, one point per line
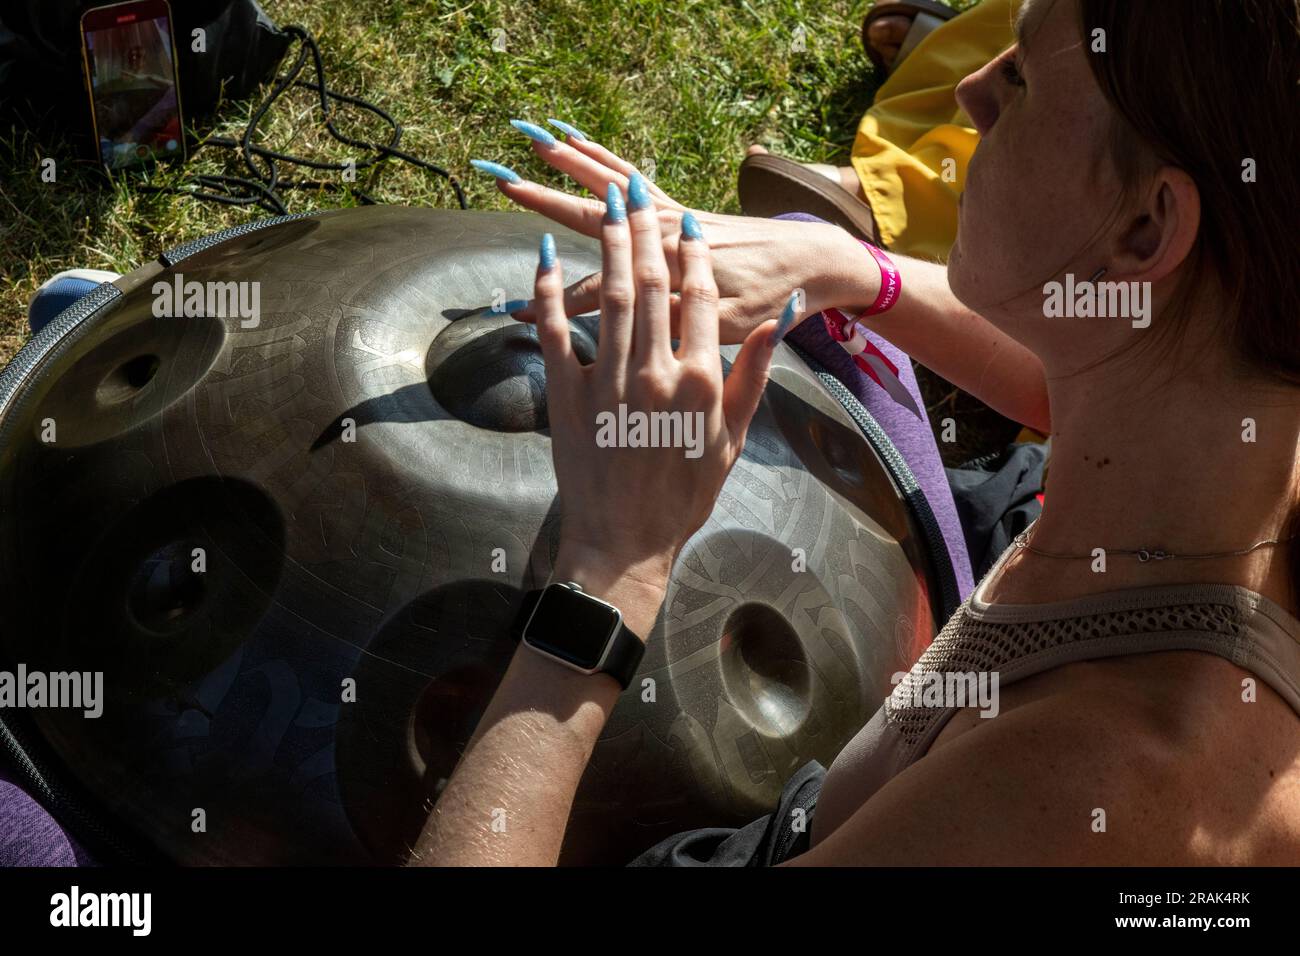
422 686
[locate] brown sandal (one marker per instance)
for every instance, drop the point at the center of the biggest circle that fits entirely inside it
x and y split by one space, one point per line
771 185
926 15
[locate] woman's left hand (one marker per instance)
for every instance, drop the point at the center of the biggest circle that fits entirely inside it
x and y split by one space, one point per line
628 506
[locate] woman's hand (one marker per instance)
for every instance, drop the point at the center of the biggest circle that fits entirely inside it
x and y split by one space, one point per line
628 507
627 510
756 261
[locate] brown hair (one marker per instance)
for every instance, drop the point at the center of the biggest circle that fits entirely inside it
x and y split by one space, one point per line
1206 85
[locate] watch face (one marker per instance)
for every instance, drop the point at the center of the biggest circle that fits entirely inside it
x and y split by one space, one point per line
573 626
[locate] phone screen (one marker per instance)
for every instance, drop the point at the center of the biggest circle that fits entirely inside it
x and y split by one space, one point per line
131 66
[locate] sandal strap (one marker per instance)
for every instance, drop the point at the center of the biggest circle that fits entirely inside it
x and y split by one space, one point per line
922 26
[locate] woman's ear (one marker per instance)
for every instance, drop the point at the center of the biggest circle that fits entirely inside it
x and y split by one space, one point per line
1162 232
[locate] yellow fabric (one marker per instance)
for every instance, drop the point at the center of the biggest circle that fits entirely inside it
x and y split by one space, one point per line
915 124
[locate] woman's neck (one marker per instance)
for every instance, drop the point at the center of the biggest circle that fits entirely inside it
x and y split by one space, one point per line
1139 461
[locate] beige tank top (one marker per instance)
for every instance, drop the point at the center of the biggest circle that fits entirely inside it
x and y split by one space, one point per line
1020 640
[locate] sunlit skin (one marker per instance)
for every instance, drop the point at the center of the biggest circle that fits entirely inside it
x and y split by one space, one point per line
1147 451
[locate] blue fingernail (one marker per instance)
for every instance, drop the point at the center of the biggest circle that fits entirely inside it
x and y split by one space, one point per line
514 305
546 256
787 320
497 170
638 192
615 211
691 227
568 130
533 131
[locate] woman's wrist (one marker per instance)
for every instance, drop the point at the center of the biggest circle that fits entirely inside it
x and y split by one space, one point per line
636 586
846 277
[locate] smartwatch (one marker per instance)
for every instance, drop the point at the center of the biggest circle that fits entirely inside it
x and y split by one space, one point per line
584 633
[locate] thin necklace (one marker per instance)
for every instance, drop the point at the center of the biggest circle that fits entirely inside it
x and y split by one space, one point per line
1146 554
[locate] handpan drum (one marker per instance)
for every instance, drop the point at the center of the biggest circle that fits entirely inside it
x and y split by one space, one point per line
294 548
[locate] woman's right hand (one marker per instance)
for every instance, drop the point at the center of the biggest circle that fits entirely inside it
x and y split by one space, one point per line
756 261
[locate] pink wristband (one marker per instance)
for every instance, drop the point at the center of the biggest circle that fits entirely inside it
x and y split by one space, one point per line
891 286
843 329
891 283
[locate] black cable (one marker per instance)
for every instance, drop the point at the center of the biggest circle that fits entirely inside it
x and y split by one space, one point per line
262 186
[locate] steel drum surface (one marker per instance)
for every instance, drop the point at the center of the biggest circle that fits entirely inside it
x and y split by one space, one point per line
311 687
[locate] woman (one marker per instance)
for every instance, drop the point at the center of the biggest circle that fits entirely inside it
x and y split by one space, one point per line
1149 707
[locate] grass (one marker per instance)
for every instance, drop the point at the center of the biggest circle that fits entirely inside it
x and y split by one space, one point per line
679 87
683 84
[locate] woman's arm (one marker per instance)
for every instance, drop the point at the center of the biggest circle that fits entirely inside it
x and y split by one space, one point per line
508 801
627 511
935 329
755 260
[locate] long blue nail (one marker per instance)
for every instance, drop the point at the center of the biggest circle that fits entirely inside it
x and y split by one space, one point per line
567 130
787 320
533 131
514 305
546 256
691 227
497 170
638 192
615 211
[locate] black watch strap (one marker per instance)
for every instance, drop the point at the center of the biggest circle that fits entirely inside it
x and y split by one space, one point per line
624 656
625 652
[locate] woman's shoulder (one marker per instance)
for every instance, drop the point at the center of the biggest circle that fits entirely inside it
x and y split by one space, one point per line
1155 759
1106 762
1186 742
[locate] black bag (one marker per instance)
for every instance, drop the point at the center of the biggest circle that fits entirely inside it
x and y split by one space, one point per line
997 498
42 76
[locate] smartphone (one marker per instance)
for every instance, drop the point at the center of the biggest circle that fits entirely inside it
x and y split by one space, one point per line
135 97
